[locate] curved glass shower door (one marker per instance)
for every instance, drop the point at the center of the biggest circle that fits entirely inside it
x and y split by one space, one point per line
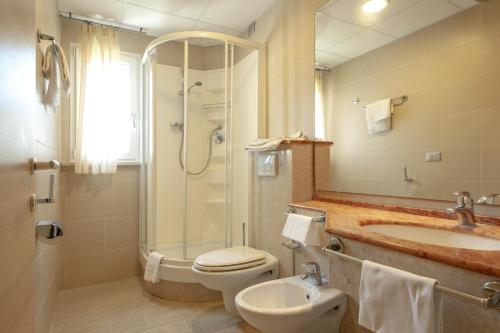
206 148
202 108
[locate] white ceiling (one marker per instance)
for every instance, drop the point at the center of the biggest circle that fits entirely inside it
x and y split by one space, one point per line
344 31
159 17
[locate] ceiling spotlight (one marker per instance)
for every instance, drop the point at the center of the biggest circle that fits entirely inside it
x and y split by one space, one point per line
373 6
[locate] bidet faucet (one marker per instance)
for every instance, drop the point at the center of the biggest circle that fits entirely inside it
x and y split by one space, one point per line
313 271
464 210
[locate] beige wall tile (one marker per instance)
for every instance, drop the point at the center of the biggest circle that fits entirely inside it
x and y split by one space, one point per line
491 13
457 164
490 52
491 82
121 232
464 129
462 61
84 236
87 269
91 203
426 71
491 163
101 215
47 267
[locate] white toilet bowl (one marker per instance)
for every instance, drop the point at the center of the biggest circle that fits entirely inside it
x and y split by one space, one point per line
292 305
233 269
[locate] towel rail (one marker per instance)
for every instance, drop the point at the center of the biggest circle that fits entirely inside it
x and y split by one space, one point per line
493 301
41 36
318 219
396 101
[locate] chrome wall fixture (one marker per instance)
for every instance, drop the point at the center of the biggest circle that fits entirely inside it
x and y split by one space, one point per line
41 36
318 219
38 166
294 245
34 200
336 248
49 229
406 178
396 101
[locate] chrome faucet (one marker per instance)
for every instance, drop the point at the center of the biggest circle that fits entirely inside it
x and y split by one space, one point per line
313 272
464 210
488 199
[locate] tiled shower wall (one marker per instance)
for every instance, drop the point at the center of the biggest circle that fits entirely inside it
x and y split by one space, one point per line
451 73
101 220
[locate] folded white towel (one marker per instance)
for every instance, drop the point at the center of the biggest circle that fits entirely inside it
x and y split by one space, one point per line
378 116
301 229
152 270
273 143
395 301
56 72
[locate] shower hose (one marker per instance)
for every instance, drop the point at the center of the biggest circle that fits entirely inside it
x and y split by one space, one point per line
209 157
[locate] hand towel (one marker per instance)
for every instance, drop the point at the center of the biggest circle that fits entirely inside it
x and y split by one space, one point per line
152 270
395 301
301 229
378 116
56 72
273 143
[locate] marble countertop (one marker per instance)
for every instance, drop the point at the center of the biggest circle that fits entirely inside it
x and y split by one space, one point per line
347 221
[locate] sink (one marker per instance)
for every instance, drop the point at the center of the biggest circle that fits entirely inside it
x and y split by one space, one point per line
292 305
435 236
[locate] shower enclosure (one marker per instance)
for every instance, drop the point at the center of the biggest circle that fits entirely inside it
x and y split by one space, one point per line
201 106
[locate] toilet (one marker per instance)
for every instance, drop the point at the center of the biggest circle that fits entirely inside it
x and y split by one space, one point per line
233 269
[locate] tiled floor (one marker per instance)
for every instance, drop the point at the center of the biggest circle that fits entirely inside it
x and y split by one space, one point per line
125 307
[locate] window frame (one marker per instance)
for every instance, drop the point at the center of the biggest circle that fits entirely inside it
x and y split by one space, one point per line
134 157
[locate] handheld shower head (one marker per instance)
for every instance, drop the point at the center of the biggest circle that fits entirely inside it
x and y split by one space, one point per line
197 84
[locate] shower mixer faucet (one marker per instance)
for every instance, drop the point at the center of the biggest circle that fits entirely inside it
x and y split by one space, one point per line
177 124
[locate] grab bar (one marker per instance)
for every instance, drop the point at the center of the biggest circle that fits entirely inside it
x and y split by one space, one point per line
493 301
318 219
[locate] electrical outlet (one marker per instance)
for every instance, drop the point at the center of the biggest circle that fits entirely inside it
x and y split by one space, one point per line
433 156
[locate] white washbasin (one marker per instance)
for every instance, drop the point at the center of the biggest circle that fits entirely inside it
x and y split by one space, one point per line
435 236
292 305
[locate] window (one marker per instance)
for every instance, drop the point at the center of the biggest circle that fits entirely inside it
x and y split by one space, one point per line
129 84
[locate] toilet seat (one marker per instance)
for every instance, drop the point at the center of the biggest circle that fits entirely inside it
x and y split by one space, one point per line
230 259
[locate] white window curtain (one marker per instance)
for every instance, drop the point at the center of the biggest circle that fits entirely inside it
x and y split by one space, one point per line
319 106
101 124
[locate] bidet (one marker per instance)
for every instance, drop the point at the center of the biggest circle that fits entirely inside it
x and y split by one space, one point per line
292 305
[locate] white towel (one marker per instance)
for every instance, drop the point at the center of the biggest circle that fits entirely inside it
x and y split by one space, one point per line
301 229
378 116
395 301
152 270
56 72
273 143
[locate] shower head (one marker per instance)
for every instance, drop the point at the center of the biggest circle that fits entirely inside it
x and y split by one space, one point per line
197 83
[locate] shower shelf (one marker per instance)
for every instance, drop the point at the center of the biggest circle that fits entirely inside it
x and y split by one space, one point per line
215 202
216 117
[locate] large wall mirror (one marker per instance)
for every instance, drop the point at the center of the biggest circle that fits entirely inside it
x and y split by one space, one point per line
439 62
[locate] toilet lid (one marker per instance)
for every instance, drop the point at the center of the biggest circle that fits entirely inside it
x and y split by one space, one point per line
230 259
